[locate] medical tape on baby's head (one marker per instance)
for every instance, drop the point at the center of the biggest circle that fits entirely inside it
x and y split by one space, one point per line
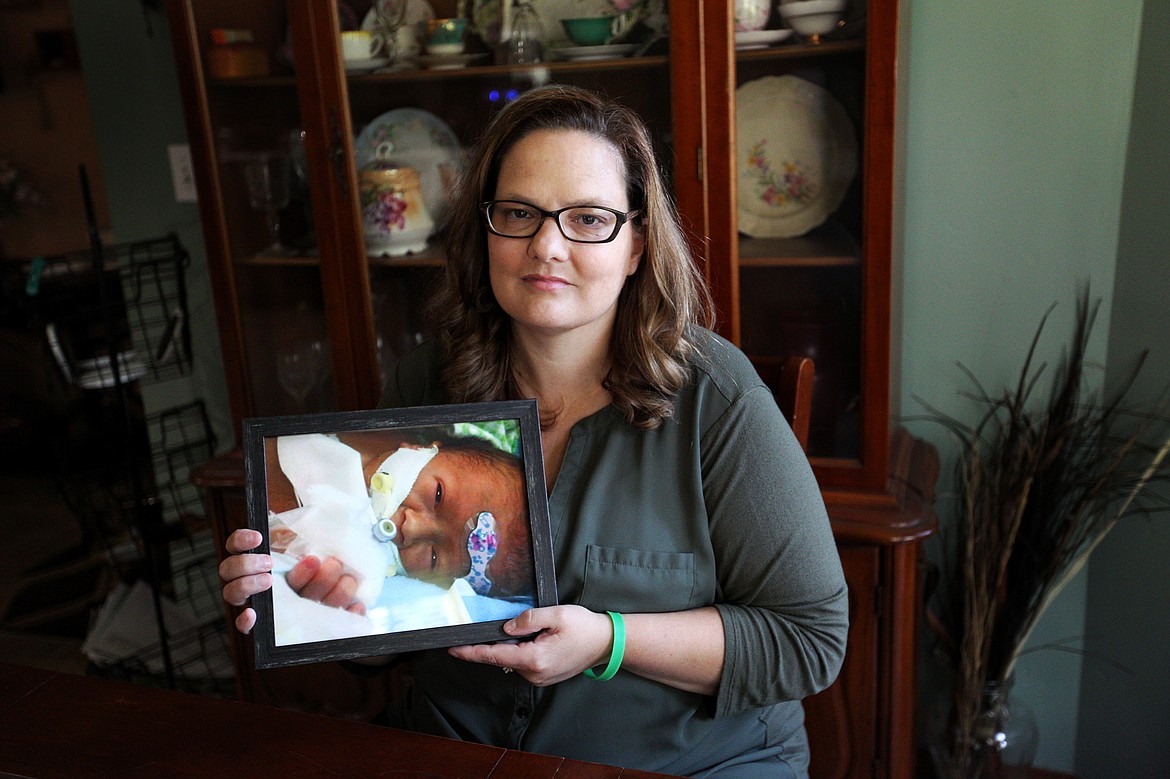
391 483
482 544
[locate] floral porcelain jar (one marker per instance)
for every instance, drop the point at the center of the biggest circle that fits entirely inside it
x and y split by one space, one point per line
395 219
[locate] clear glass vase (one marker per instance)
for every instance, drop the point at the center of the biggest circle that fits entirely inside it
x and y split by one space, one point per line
1000 744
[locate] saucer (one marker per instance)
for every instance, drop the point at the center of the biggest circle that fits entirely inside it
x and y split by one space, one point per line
760 39
446 61
599 52
363 65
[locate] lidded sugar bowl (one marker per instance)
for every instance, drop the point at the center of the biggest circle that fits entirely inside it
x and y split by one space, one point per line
395 218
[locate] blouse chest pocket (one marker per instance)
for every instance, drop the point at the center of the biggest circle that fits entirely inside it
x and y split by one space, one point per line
633 580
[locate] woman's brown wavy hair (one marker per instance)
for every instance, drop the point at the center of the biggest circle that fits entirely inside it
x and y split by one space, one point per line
651 343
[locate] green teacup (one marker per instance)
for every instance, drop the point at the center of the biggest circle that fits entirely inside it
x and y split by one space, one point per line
442 31
589 31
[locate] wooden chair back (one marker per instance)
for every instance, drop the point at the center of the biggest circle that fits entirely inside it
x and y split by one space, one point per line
794 395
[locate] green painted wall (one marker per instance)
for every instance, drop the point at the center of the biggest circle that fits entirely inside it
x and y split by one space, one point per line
1016 129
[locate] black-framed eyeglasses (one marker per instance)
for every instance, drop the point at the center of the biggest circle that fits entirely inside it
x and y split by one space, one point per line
580 224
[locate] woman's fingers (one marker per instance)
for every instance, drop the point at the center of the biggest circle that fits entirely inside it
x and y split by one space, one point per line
238 566
237 591
245 621
243 540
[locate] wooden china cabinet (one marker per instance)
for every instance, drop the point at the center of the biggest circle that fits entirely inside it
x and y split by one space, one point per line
310 325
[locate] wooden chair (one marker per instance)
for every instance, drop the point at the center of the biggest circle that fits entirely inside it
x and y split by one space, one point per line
794 395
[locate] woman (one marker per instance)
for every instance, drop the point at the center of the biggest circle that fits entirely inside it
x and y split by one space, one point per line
678 495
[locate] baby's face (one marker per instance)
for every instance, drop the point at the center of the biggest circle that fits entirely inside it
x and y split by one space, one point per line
433 520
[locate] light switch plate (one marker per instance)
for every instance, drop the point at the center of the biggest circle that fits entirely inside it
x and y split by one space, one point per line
182 173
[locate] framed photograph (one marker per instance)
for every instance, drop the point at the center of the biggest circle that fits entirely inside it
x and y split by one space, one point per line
398 529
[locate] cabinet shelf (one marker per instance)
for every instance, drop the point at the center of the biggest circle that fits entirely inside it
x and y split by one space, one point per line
827 246
414 75
431 257
478 71
801 51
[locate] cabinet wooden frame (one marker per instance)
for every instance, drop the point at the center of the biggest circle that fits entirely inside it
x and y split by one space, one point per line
863 726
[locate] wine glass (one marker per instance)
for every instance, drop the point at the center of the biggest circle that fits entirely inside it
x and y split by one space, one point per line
268 175
299 366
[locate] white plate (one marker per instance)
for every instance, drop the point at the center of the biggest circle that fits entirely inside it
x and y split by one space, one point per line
599 52
421 141
796 156
760 39
359 66
446 61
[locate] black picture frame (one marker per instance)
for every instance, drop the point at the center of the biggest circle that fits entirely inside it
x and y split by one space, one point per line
292 630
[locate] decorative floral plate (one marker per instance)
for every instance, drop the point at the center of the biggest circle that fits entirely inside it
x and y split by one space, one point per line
796 156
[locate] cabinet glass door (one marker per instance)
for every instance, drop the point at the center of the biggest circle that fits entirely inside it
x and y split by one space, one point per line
813 256
254 182
313 323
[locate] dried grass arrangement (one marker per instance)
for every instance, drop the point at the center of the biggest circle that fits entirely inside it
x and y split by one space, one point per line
1039 485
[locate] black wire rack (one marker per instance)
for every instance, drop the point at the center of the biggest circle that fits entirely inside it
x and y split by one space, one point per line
115 319
143 284
181 438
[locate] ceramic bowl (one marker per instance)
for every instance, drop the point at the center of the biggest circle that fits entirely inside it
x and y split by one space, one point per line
588 31
812 17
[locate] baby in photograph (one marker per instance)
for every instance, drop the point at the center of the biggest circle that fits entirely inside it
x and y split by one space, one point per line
432 535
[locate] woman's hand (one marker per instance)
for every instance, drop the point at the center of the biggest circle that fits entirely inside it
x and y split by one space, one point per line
682 649
245 575
568 639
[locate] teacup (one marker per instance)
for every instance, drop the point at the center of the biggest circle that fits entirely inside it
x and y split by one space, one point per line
360 44
439 32
751 15
594 30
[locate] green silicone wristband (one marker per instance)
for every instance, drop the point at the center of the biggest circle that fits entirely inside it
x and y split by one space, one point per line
616 654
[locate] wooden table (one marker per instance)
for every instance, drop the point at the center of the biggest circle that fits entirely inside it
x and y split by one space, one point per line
61 725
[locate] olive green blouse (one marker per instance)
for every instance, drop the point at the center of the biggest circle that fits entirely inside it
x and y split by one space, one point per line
716 507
